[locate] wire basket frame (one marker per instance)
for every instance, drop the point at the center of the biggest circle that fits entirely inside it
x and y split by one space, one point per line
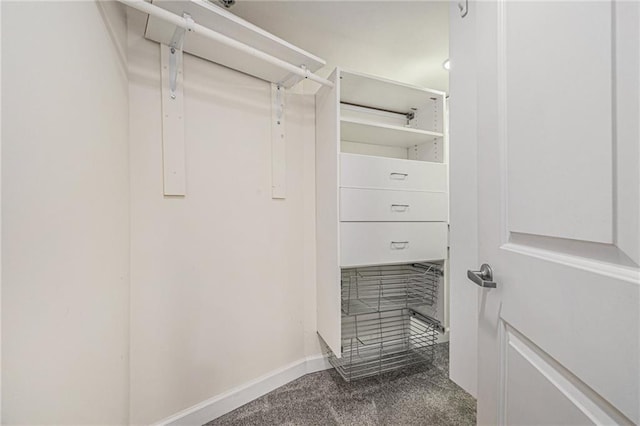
389 287
376 343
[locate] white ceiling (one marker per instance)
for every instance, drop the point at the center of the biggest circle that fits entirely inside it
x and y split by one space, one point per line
401 40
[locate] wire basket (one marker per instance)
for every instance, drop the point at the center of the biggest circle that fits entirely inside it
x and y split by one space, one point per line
390 287
376 343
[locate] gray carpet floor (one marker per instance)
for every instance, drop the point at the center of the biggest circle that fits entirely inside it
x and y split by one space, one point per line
414 396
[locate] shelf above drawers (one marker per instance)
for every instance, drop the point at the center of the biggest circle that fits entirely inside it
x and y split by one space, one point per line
375 92
356 130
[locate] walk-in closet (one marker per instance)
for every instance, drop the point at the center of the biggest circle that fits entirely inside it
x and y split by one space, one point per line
257 212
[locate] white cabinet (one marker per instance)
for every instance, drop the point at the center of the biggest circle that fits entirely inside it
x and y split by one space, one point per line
382 212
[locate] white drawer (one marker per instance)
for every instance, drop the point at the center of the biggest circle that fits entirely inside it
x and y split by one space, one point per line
383 205
372 243
364 171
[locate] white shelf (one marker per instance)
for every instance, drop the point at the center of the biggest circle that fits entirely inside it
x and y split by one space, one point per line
228 24
375 92
362 131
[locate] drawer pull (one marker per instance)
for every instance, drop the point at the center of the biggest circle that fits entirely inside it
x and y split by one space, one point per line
399 245
399 207
398 176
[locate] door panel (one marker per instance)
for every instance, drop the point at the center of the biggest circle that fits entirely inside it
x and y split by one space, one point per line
558 119
574 313
558 339
532 375
627 133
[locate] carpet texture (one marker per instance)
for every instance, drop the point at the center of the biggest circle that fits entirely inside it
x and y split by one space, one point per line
414 396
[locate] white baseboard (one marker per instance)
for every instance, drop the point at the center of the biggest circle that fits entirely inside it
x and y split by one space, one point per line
219 405
443 337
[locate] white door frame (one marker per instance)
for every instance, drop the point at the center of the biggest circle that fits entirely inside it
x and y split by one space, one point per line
463 216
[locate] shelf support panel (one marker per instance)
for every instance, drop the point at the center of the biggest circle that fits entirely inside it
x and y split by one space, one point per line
278 145
173 143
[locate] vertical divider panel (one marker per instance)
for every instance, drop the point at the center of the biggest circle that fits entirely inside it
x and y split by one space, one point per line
173 154
278 143
327 214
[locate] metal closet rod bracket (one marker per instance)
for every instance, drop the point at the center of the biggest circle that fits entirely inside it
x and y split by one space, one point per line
278 143
177 41
294 79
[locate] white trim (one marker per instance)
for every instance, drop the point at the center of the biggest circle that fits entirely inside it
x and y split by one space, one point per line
502 119
502 373
226 402
585 399
443 337
617 272
317 363
1 220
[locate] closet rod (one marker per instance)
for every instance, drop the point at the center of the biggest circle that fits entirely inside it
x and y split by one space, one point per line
378 109
179 21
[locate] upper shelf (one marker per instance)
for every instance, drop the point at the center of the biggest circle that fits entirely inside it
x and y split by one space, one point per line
375 92
228 24
356 130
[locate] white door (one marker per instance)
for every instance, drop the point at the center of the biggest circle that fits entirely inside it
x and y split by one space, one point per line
558 209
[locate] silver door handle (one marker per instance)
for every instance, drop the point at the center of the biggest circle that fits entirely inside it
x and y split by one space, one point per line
483 277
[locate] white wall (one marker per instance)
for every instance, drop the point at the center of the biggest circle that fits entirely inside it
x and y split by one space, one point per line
65 199
221 279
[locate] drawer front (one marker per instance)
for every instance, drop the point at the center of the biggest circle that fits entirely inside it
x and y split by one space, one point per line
372 243
362 171
381 205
